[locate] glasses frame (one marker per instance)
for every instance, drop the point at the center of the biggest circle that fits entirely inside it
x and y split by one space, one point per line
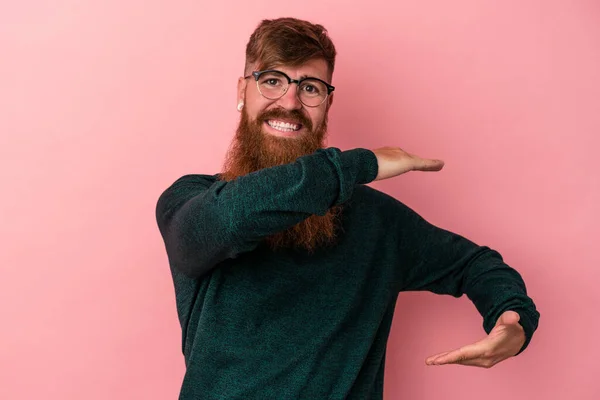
257 74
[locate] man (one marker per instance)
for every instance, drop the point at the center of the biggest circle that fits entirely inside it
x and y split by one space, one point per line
287 267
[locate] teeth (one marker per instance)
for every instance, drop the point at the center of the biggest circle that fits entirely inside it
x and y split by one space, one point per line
283 126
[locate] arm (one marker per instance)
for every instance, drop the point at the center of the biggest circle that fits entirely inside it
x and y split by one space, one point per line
442 262
203 224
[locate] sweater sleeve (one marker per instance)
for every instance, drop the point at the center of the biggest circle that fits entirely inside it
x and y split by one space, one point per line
204 223
443 262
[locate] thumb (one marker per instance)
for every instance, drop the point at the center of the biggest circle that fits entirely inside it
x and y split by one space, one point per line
508 318
426 164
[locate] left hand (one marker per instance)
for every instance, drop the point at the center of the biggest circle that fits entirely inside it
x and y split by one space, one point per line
504 341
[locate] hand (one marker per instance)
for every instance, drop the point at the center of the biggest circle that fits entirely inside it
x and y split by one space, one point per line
394 161
504 341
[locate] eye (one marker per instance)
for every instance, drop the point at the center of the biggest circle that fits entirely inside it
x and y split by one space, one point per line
312 88
273 81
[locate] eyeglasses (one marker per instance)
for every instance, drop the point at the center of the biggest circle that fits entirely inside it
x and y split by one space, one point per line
273 84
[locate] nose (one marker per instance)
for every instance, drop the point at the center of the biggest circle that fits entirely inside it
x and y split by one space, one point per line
290 100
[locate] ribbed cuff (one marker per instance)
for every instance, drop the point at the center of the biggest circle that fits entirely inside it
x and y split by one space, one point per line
529 326
364 162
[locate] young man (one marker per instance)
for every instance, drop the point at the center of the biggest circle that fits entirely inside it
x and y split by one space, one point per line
287 267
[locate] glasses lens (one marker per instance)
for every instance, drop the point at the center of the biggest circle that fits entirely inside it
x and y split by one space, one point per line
272 85
312 92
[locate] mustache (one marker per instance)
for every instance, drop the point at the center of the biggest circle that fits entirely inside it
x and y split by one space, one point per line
295 115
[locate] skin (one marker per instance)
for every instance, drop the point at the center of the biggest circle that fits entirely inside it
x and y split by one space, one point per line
255 103
507 337
504 341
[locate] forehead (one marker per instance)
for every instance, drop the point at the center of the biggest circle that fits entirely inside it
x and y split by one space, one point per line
316 68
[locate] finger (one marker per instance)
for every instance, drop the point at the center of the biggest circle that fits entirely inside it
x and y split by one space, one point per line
478 362
429 360
508 317
463 354
425 164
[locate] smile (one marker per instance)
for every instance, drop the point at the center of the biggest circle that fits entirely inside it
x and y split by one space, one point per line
284 126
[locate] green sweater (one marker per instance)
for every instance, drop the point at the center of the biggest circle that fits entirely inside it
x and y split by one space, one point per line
259 324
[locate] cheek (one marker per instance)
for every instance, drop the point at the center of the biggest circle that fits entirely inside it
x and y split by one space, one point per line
253 109
255 105
317 117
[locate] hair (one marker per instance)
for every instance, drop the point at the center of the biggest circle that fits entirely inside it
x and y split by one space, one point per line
289 41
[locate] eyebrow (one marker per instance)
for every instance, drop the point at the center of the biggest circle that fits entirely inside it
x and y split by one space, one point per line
308 76
305 76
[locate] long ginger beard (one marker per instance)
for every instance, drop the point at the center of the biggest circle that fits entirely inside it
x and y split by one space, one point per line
252 149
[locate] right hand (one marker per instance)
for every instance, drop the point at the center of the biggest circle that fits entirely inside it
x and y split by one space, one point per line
394 161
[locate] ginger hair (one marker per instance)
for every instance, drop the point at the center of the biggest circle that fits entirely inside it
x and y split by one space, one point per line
288 41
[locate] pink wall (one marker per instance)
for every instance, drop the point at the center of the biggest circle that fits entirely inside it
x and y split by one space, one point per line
104 104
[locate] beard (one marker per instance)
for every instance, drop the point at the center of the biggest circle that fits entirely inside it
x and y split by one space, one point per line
253 149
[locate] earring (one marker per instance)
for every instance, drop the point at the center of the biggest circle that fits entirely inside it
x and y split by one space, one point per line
240 106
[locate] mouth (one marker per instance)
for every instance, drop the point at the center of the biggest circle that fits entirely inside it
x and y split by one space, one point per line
283 128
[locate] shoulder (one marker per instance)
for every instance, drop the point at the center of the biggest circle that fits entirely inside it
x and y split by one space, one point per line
182 190
190 182
195 179
366 195
366 199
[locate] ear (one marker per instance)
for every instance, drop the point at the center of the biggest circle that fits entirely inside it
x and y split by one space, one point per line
330 101
241 89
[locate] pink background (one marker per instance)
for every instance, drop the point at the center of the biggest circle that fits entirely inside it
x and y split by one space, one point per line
103 104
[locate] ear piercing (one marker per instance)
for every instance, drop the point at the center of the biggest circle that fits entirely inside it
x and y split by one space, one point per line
240 106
